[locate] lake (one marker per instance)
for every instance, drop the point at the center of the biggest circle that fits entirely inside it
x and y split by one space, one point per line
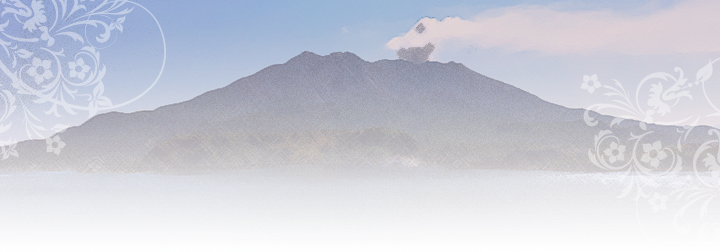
373 209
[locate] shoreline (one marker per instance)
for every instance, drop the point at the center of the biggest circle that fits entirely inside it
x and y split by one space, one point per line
337 149
328 167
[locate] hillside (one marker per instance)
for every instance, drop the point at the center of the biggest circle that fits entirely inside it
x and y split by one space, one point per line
447 115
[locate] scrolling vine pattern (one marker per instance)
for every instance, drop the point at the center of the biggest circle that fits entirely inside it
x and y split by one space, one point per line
50 59
652 170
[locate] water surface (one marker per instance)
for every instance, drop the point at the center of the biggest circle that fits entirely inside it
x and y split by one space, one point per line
290 209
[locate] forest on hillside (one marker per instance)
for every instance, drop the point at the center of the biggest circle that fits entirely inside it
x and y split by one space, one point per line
353 149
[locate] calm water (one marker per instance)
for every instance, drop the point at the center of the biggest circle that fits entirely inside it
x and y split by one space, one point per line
301 209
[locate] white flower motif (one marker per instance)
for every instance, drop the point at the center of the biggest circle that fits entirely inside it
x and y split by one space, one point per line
657 154
658 202
615 152
117 24
46 36
586 83
54 144
8 151
43 65
78 69
30 38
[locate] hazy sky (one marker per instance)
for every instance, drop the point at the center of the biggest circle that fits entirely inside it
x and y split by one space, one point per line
543 47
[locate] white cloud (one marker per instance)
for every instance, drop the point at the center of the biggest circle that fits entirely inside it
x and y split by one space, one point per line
688 27
344 29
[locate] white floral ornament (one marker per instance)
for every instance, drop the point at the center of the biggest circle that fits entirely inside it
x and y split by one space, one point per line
46 36
615 152
36 65
51 144
698 190
658 202
79 73
117 24
595 83
655 159
34 55
8 151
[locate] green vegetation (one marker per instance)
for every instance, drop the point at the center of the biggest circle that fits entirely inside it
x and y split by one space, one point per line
502 156
200 153
274 149
343 148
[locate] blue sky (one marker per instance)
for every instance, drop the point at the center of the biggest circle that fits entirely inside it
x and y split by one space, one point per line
210 44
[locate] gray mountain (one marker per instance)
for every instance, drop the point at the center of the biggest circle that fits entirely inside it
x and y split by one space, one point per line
336 110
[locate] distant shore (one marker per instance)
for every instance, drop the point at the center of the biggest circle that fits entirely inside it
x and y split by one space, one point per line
204 153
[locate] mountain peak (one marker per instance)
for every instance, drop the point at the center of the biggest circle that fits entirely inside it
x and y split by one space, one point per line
306 57
433 102
344 55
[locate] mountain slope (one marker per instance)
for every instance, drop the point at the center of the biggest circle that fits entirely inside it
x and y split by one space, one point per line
450 114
